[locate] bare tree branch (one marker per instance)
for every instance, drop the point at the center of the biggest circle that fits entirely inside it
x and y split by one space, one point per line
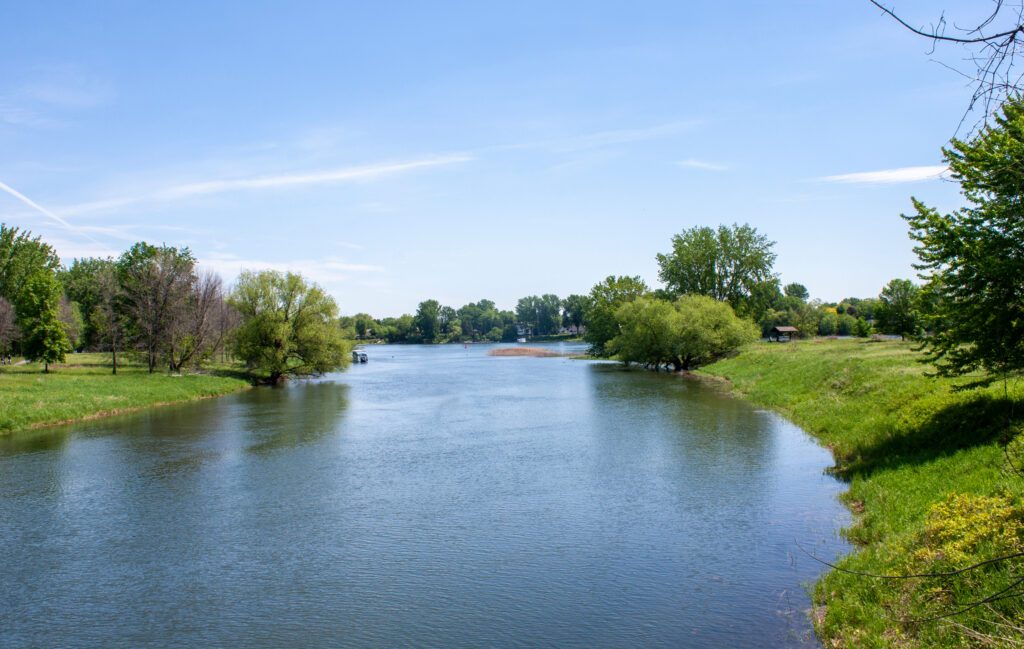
990 57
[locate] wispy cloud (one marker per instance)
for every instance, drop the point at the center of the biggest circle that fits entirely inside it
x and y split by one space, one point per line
42 210
702 165
326 271
606 138
53 89
623 136
68 249
890 176
16 115
136 232
364 173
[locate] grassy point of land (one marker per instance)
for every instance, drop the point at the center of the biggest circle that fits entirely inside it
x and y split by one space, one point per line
906 442
84 388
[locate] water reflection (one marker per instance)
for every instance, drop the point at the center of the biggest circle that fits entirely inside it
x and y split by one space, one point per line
436 497
280 418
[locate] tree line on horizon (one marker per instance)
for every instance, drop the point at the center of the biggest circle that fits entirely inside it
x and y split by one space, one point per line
730 265
154 304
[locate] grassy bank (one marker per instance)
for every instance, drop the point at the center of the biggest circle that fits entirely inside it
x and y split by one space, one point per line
930 483
84 388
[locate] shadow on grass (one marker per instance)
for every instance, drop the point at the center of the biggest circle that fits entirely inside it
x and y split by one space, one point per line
978 421
239 373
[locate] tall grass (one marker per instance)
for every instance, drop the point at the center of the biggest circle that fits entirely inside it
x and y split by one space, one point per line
907 443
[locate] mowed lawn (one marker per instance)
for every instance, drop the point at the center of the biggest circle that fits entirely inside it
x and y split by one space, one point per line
84 387
906 442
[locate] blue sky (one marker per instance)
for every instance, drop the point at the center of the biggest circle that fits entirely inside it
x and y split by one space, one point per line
395 152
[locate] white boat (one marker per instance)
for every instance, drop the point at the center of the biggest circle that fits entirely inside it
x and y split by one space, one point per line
520 340
359 356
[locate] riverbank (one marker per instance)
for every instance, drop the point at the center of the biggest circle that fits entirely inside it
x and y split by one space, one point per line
906 442
84 388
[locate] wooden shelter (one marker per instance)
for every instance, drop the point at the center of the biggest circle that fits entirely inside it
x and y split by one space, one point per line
777 333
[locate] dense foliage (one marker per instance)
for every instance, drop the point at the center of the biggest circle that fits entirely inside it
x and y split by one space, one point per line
21 256
972 259
692 331
605 299
726 264
43 335
288 327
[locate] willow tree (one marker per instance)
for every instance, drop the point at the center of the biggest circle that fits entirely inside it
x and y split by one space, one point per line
288 327
692 331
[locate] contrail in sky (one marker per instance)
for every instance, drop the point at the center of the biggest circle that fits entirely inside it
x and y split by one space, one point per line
42 210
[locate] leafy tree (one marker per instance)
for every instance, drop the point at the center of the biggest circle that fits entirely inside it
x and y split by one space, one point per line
764 296
847 325
157 283
972 259
862 328
724 264
22 256
527 313
897 311
8 327
648 332
428 320
106 319
288 327
478 320
794 312
448 321
693 331
710 330
43 336
194 331
605 299
574 310
858 308
796 290
364 325
81 281
347 325
828 324
74 325
542 315
401 329
549 316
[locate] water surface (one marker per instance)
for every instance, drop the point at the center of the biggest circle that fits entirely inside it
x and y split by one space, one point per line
435 496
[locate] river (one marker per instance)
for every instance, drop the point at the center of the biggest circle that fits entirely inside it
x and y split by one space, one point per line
435 496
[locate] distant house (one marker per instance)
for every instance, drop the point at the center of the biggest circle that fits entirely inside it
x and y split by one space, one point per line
777 333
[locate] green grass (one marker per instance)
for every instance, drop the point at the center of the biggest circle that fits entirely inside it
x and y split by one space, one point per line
84 388
904 441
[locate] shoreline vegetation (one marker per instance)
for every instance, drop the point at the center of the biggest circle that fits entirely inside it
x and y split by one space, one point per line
911 448
928 484
83 388
926 437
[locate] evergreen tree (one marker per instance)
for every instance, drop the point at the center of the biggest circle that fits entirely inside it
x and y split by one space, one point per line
972 259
